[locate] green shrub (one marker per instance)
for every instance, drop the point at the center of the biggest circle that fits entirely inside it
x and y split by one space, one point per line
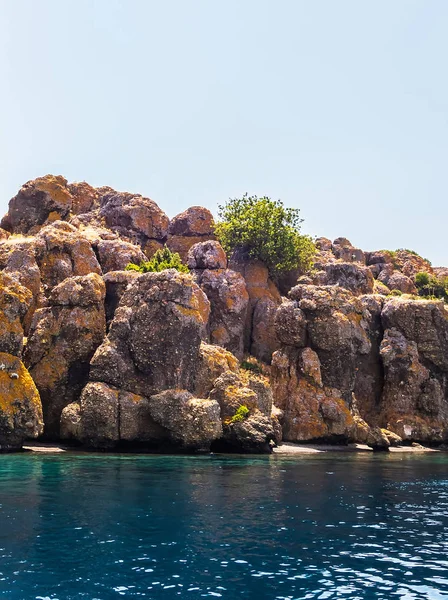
430 286
162 259
265 230
396 293
251 366
241 414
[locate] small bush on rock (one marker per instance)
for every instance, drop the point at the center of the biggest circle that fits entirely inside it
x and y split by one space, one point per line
265 230
162 260
430 286
241 414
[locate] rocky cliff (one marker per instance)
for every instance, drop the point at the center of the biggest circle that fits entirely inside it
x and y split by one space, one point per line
221 358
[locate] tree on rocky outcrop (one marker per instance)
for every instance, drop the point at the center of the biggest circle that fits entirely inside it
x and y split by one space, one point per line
265 230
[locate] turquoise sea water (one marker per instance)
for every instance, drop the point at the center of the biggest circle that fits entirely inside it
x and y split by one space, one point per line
354 526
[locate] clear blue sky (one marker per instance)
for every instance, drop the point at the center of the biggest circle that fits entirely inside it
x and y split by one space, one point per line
339 107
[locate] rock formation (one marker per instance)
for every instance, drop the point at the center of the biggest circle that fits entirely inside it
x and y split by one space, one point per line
111 359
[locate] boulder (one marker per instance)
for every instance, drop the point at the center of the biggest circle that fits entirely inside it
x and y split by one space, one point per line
207 255
115 255
62 340
193 423
193 222
253 432
106 417
154 338
62 252
398 281
20 406
40 201
336 329
133 217
310 410
260 336
212 362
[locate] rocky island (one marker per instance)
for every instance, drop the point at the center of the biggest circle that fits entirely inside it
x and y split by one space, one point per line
224 357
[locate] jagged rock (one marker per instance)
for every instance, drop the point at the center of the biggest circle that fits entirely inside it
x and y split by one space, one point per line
337 331
424 322
193 423
154 338
324 244
115 255
133 217
343 250
226 292
15 302
311 411
207 255
413 403
290 324
39 201
62 340
85 198
20 406
350 276
264 336
251 434
260 334
213 361
62 252
116 284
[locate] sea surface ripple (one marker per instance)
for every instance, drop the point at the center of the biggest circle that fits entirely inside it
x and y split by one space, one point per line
100 527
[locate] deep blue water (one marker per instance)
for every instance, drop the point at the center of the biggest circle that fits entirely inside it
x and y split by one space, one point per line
354 526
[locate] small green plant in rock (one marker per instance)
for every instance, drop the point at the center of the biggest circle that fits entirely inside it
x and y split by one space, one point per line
162 260
251 366
241 414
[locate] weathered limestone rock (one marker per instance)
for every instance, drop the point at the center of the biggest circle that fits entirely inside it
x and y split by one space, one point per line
343 250
207 255
85 198
154 338
260 337
413 404
133 217
193 423
190 227
290 324
62 340
40 201
20 406
213 361
337 330
351 276
311 411
424 322
115 255
227 294
106 416
116 284
15 302
251 434
61 252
